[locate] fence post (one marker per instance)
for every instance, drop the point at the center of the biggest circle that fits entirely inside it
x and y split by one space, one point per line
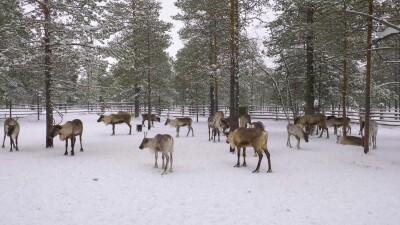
10 108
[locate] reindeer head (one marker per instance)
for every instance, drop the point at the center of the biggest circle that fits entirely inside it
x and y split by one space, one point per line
55 130
144 141
101 118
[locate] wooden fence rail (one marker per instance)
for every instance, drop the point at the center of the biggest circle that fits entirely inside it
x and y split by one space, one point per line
382 116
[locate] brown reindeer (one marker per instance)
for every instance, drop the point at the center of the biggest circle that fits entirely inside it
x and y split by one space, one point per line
153 117
217 124
244 120
250 137
180 122
163 143
11 129
120 117
336 122
309 120
350 140
69 130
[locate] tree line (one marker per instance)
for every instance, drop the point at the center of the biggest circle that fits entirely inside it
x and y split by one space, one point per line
96 51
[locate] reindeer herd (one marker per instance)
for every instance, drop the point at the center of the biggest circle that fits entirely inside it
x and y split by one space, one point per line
249 134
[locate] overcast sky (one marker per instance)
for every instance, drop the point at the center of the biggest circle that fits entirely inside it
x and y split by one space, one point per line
167 11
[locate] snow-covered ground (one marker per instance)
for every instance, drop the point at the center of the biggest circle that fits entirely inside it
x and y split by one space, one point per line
113 182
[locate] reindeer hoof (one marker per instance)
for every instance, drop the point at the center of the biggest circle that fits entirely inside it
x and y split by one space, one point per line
237 165
244 165
155 166
256 171
269 171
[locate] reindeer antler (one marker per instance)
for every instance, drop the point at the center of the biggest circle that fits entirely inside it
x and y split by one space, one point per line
62 117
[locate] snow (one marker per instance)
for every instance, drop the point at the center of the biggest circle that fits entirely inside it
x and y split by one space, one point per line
113 182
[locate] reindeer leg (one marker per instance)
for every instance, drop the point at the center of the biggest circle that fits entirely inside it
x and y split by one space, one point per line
73 140
188 131
214 132
244 157
156 156
11 143
269 160
167 159
260 156
130 128
80 140
177 131
170 167
163 159
218 135
66 147
113 128
298 142
16 143
4 140
288 141
209 137
238 156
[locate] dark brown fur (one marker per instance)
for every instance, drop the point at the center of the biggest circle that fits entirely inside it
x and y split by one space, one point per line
317 119
153 117
250 137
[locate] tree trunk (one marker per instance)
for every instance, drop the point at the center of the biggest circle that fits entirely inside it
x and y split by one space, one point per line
148 82
135 86
344 84
310 77
368 78
234 66
47 74
137 102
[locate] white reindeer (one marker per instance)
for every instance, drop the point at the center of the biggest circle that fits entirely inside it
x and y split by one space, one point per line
296 131
163 143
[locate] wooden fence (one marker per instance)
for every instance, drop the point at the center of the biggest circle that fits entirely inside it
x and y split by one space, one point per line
382 116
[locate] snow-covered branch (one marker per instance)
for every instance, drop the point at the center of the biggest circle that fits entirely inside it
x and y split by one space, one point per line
397 28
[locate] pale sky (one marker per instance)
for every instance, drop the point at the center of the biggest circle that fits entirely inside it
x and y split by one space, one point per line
169 9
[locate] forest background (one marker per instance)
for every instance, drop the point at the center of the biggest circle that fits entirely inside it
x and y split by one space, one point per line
326 54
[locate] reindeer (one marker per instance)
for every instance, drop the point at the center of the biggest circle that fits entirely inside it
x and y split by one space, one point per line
180 122
335 122
296 131
11 129
249 137
120 117
373 131
309 120
244 120
257 124
361 120
350 140
217 124
153 117
163 143
69 130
